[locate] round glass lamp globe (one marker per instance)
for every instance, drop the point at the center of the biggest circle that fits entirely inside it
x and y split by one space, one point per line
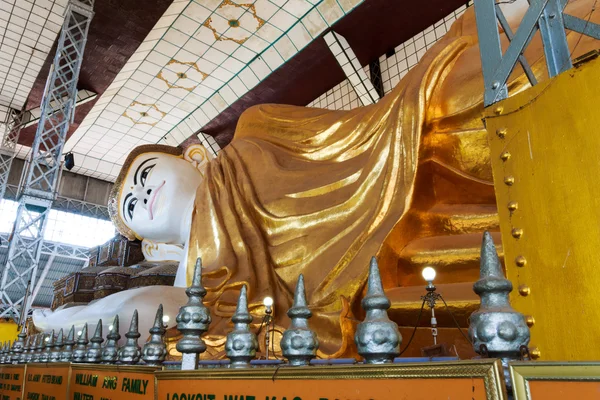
166 319
268 301
428 274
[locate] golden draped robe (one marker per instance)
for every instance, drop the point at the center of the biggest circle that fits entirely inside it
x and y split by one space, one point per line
310 191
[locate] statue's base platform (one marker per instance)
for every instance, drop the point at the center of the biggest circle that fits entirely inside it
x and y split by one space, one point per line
431 380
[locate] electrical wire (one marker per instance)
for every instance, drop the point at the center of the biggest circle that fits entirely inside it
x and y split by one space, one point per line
455 321
415 329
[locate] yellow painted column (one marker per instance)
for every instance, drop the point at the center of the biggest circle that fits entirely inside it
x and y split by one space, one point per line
545 146
8 331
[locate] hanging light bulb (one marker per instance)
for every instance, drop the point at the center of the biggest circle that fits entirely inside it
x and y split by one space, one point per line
428 274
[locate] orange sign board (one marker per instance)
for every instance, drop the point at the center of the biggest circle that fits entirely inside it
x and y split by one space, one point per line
555 380
561 390
47 381
11 382
477 380
111 382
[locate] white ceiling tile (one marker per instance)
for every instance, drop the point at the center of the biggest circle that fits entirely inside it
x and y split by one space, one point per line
248 78
314 23
158 58
243 54
260 68
186 25
149 68
265 9
192 123
176 8
166 48
212 83
197 12
299 36
222 74
193 98
285 47
176 37
209 109
165 21
218 102
256 44
215 56
186 107
195 46
272 58
203 91
228 95
330 10
205 35
226 46
282 20
298 7
156 33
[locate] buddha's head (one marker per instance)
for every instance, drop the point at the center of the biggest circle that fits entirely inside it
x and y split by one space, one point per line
153 193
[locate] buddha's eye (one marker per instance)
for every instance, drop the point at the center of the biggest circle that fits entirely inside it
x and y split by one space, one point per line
145 173
131 207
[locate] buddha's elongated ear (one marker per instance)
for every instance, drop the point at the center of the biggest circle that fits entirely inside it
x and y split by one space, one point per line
198 156
154 251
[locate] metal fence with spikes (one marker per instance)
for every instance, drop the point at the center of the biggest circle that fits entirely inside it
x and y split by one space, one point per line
42 173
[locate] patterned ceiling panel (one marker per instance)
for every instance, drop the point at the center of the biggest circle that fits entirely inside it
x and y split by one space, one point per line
28 29
199 59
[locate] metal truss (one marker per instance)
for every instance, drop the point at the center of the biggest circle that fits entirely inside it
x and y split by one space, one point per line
32 117
81 207
41 176
68 204
56 249
548 17
8 146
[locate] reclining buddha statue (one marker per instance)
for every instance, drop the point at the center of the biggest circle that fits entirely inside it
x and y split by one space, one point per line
318 192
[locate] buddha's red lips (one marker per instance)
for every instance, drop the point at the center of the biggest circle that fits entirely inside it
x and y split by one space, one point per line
153 198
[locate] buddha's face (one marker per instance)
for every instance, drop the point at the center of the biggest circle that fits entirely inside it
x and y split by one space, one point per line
156 196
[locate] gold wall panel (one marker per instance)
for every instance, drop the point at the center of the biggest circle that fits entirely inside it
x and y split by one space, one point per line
545 149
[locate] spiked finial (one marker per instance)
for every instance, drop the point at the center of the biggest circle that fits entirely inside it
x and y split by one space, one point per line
36 348
57 348
18 346
9 352
94 351
32 348
299 344
130 353
23 356
241 343
192 321
66 355
155 350
496 328
377 338
48 346
3 354
80 350
111 347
